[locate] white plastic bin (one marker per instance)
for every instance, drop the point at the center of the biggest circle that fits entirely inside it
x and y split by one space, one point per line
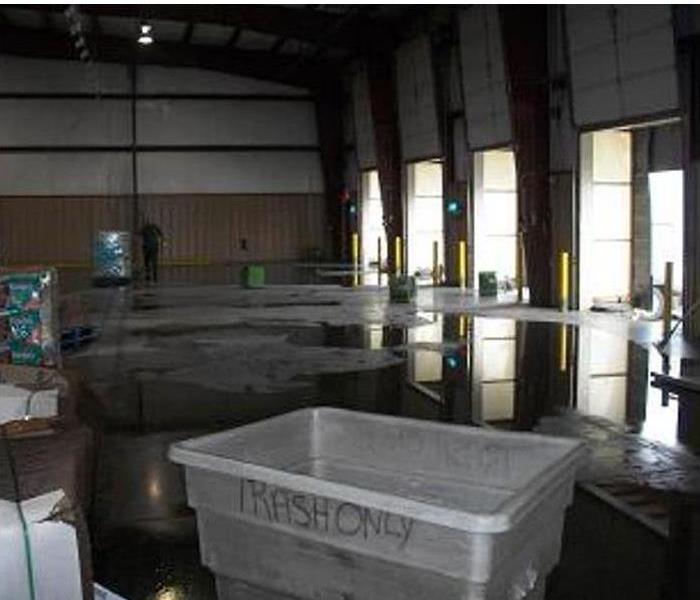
333 504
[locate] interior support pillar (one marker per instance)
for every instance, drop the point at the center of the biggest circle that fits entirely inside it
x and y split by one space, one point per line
384 104
329 118
454 188
563 152
689 79
527 67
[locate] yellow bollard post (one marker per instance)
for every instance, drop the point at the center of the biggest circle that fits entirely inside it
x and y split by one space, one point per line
462 326
379 262
563 348
462 265
398 258
436 266
564 281
355 259
668 299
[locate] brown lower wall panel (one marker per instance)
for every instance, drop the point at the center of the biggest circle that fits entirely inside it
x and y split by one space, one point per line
53 230
209 228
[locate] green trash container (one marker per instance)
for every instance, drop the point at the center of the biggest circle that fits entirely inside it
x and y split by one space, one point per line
253 276
488 284
402 289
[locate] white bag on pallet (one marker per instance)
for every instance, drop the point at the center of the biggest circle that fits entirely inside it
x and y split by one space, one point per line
49 553
17 403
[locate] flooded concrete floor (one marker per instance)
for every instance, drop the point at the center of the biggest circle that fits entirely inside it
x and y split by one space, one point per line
176 362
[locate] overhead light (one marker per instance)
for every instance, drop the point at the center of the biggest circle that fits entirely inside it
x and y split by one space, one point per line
146 38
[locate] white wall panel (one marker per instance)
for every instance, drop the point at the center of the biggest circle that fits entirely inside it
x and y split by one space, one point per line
229 172
24 75
420 136
364 127
169 80
102 122
261 123
65 174
91 122
622 62
486 101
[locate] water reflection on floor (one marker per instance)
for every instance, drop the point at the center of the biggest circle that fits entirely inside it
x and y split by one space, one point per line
161 375
510 374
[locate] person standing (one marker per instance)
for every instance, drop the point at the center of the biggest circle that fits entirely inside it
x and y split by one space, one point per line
151 237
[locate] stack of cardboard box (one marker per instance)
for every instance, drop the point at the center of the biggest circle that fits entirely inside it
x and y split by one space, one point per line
30 309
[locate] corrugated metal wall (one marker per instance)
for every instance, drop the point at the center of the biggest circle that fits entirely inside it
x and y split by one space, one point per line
199 229
202 172
420 135
227 121
275 227
623 63
233 159
65 174
484 80
55 230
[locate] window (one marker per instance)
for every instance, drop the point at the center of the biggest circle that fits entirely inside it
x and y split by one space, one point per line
494 369
666 194
496 214
606 216
425 217
373 231
425 366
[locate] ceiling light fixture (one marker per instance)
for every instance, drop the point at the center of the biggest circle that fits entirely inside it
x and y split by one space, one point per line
146 38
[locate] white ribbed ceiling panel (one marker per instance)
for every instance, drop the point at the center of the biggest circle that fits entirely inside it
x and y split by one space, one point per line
364 128
622 62
420 138
66 174
486 105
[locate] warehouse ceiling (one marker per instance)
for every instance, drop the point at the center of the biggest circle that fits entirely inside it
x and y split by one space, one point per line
295 44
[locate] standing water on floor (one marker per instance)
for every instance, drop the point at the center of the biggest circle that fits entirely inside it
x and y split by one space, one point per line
157 380
511 374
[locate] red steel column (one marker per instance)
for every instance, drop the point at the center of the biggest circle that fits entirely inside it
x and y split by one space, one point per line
689 80
385 116
329 117
524 31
